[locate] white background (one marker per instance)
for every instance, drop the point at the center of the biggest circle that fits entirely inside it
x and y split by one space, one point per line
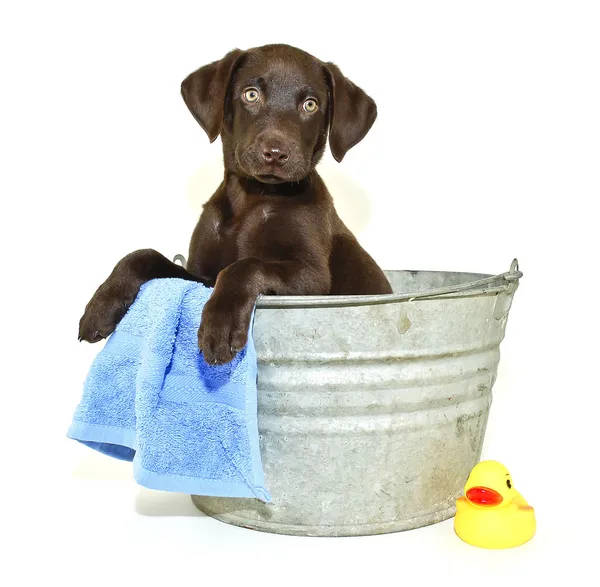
487 147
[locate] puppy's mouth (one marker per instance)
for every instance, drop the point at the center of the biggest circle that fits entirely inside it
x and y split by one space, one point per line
269 178
250 165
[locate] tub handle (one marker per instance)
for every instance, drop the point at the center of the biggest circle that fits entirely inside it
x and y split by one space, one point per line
181 260
506 280
505 298
513 274
504 284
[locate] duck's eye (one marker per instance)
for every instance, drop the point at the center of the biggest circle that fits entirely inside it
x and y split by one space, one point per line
251 95
310 105
508 483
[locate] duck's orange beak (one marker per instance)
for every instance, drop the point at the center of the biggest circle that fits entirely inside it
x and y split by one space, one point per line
483 496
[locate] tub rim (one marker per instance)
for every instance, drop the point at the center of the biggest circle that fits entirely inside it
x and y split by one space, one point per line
487 284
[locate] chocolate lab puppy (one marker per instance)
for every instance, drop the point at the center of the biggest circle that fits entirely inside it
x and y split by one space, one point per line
271 227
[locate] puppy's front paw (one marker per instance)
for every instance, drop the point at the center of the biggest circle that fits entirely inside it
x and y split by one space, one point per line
102 314
223 331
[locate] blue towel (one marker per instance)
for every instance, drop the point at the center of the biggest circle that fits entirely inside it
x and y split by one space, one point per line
150 398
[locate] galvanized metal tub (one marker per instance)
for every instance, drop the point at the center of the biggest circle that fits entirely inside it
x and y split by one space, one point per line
372 410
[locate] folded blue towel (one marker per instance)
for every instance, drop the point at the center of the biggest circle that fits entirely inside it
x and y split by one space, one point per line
151 398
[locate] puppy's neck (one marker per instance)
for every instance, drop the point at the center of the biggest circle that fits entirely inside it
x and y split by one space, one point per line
243 191
253 187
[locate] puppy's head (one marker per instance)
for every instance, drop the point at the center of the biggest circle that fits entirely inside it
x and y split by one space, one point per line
274 107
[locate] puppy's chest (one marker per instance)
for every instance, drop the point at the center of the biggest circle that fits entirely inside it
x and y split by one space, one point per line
249 232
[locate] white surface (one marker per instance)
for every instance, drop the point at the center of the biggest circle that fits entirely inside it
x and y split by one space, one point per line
486 148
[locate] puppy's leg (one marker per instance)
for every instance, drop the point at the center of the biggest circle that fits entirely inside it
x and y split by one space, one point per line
226 316
113 298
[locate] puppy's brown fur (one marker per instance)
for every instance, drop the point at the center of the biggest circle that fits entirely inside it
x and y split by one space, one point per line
271 227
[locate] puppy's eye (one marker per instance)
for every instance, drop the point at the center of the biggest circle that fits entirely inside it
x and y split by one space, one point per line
310 105
251 95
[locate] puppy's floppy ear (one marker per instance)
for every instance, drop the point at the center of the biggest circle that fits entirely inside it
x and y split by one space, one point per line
351 112
205 91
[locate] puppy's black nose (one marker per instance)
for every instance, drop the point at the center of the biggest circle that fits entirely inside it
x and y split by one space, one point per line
276 154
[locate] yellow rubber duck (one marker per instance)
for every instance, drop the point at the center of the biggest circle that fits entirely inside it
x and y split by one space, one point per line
493 514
